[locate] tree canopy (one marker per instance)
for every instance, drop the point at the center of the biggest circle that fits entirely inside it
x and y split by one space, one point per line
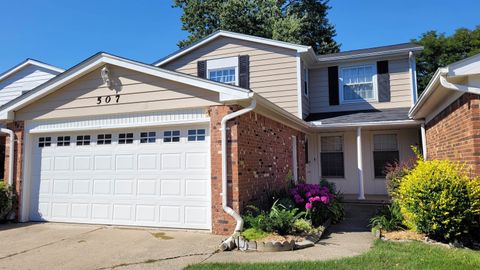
297 21
441 50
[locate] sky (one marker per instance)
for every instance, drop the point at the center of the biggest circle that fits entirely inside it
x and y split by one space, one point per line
63 33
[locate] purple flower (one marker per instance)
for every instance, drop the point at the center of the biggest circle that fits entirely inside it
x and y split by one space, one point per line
325 199
308 206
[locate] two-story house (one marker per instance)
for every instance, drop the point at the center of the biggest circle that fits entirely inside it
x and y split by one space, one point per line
189 141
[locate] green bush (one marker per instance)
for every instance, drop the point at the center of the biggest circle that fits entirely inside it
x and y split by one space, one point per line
8 200
388 218
278 220
439 199
394 173
302 226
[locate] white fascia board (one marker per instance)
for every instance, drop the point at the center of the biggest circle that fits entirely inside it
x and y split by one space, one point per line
227 92
319 125
221 33
299 87
26 63
467 66
432 85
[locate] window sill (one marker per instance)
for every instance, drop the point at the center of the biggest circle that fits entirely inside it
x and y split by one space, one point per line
360 101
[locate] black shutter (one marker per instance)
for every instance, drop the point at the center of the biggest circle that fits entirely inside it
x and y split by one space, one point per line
383 79
202 69
244 71
333 85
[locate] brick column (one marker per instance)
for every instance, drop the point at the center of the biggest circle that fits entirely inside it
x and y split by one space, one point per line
222 223
18 129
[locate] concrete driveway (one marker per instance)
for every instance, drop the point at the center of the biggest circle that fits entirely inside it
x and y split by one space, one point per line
68 246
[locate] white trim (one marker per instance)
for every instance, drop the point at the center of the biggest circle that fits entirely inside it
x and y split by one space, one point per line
413 77
222 33
29 62
361 187
299 87
318 124
223 63
294 159
27 173
424 141
227 92
159 118
374 82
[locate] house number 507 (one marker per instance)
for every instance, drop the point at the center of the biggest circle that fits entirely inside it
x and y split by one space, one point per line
108 99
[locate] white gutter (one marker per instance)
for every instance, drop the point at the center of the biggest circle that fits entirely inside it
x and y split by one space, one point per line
228 244
11 153
458 87
319 125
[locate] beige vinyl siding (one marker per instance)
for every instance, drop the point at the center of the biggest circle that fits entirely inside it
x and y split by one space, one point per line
138 93
400 90
273 70
406 137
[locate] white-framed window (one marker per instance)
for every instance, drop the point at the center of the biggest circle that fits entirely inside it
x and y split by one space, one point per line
224 70
63 140
196 135
148 137
83 140
104 139
358 83
385 152
171 136
125 138
44 142
331 156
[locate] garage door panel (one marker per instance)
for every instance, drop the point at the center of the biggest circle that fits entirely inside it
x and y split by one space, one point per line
155 183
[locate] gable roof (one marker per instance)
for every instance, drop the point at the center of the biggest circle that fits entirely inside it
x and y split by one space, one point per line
26 63
222 33
227 92
439 89
371 52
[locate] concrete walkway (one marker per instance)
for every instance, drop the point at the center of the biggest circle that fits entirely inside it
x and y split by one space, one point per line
67 246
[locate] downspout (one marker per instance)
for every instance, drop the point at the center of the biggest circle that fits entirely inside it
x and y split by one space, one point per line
229 243
413 76
11 153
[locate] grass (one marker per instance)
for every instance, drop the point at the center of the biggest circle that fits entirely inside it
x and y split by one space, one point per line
383 255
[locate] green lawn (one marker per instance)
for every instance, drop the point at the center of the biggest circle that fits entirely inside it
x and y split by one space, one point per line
384 255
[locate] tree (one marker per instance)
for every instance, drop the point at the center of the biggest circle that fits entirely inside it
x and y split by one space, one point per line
441 50
297 21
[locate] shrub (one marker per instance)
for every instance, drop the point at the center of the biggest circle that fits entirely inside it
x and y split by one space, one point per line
278 220
439 199
302 226
394 174
388 218
8 200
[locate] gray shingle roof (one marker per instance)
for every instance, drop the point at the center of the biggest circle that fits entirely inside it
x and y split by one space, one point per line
362 116
375 50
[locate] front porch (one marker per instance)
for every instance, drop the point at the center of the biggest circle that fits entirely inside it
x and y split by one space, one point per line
354 157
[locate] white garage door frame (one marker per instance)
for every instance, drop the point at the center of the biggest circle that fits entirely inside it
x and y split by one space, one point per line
180 118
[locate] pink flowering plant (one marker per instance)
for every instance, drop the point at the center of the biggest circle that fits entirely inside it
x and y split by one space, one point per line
320 201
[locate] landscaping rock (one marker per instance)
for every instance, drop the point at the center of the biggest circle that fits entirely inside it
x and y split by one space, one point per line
304 244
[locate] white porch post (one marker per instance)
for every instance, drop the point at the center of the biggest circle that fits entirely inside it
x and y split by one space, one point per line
361 192
424 141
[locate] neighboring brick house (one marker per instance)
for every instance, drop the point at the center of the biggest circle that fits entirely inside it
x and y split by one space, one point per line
116 141
450 107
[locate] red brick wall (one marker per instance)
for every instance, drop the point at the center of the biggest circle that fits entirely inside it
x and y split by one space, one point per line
18 129
259 159
454 134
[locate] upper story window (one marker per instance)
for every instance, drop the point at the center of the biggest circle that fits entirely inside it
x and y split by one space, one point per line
224 75
224 70
305 81
358 83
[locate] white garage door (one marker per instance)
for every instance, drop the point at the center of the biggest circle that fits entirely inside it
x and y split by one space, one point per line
151 176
